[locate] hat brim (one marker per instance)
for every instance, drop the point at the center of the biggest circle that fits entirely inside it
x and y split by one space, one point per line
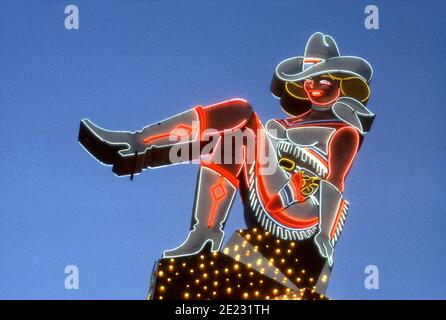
290 70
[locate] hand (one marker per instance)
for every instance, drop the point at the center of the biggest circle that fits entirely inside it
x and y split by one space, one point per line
325 247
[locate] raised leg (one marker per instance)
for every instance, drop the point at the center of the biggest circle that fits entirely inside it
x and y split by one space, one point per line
131 152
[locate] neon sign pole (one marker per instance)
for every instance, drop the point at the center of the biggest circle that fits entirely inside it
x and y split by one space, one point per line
290 173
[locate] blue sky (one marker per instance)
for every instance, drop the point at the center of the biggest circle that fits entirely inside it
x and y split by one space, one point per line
132 63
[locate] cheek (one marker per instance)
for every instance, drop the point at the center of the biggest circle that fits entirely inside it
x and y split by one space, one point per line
332 91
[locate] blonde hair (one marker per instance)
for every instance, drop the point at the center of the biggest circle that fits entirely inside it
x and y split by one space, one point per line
350 86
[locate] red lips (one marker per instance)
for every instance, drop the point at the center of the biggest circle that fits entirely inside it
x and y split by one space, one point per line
316 93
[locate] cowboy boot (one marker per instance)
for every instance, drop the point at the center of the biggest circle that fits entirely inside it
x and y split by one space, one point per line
213 199
131 152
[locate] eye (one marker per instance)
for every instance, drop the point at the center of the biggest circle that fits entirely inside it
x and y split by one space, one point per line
325 82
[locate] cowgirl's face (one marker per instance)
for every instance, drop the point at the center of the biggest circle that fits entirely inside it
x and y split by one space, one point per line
322 91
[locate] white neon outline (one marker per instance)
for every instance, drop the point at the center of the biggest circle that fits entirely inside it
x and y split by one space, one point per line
253 188
277 73
259 211
333 219
314 144
278 222
282 229
322 72
269 133
136 173
225 216
355 112
197 132
139 131
303 155
224 102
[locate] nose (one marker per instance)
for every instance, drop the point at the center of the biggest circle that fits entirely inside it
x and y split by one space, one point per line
310 83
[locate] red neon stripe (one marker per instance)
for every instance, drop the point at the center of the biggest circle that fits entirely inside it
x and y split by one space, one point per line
293 122
201 120
217 198
352 155
296 183
226 174
318 156
338 216
280 216
211 220
312 60
156 137
167 134
330 102
221 104
243 166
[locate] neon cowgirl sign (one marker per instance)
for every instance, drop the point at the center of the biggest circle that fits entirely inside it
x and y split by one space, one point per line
313 149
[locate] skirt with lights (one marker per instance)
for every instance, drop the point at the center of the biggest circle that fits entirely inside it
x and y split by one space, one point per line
252 265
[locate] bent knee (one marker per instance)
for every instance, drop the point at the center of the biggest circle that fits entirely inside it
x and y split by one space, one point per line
228 114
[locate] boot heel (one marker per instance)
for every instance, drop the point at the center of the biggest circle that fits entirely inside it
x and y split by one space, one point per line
216 245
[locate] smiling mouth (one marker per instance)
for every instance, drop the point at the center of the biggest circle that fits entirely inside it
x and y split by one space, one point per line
316 93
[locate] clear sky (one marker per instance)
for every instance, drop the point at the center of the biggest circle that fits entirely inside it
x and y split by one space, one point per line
132 63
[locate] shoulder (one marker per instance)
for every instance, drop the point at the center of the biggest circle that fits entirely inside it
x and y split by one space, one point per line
346 137
276 128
